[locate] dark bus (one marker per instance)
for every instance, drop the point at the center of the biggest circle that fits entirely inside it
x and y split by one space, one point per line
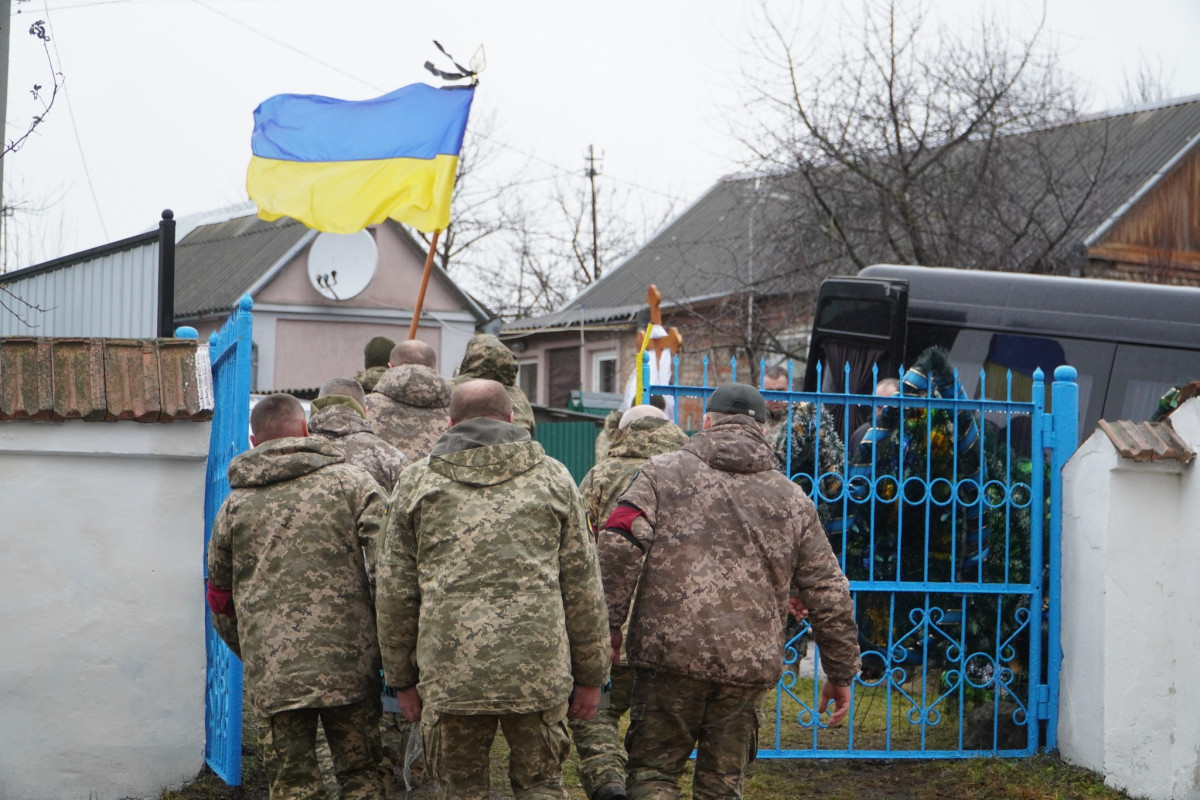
1130 342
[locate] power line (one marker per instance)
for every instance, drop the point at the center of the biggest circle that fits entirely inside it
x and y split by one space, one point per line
487 137
87 173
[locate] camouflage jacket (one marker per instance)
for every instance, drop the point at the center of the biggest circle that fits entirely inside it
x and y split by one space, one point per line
289 543
604 482
609 433
488 357
722 538
489 590
341 424
369 377
409 409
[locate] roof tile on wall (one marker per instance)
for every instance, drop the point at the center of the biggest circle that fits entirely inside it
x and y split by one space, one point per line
131 380
1147 441
26 373
78 366
146 380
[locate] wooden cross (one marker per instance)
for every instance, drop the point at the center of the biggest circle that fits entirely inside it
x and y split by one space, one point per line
672 341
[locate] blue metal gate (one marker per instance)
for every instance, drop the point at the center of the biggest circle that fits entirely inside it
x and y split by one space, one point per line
229 352
947 521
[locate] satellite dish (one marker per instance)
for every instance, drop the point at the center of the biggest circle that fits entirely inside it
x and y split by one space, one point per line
340 265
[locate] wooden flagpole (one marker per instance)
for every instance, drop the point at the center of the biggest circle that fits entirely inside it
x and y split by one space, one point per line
412 331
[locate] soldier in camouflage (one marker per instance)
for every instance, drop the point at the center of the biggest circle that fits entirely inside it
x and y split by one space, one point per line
488 357
339 417
408 408
288 586
375 360
644 431
490 605
717 537
609 432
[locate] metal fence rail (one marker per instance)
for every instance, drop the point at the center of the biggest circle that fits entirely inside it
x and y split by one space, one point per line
946 519
229 353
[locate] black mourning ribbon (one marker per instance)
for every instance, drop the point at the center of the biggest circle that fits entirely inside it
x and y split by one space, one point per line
462 73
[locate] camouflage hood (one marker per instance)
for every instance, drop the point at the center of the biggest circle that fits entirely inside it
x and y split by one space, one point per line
369 377
281 460
337 419
648 437
415 385
487 357
735 444
484 452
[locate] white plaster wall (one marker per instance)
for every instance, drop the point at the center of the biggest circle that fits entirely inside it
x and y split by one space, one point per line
1185 746
1084 556
101 608
1131 619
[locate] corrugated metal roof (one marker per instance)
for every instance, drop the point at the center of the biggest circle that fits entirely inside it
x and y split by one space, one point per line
216 264
570 317
106 291
707 249
1147 441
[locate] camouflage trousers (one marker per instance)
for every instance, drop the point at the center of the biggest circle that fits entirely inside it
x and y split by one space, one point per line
287 744
394 732
458 749
671 714
598 741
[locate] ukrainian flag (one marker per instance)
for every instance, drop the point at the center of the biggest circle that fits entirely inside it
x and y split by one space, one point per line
341 165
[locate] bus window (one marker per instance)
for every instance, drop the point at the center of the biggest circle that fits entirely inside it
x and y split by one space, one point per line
1143 375
998 353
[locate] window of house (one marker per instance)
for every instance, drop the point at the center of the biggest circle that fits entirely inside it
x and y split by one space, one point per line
527 379
604 372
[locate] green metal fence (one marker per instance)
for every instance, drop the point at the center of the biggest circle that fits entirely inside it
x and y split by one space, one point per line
572 443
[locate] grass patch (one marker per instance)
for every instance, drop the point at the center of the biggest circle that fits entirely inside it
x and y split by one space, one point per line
1038 778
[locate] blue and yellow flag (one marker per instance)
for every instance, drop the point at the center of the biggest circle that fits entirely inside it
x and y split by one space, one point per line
341 165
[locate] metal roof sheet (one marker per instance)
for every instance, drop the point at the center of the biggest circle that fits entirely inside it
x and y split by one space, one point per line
216 264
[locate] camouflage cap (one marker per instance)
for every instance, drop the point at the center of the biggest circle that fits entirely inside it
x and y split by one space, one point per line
738 398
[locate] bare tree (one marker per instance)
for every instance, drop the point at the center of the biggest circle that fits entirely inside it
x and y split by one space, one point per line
918 145
546 252
483 192
1148 85
44 96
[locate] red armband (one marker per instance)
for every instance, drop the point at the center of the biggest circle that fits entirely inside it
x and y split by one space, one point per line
622 518
219 600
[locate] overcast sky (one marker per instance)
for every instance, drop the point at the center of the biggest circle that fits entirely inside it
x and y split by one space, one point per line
156 111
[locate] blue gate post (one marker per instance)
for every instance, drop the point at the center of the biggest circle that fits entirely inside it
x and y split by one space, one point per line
230 356
1064 440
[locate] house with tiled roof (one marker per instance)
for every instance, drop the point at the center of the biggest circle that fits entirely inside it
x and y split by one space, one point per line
739 268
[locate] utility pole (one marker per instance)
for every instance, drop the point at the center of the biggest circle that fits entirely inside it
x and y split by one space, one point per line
591 174
5 27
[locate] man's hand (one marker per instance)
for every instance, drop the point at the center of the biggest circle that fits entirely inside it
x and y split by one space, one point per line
796 608
410 703
585 702
840 695
615 654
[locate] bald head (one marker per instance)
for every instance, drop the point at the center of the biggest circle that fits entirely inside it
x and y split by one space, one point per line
640 412
277 416
412 351
479 398
346 387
